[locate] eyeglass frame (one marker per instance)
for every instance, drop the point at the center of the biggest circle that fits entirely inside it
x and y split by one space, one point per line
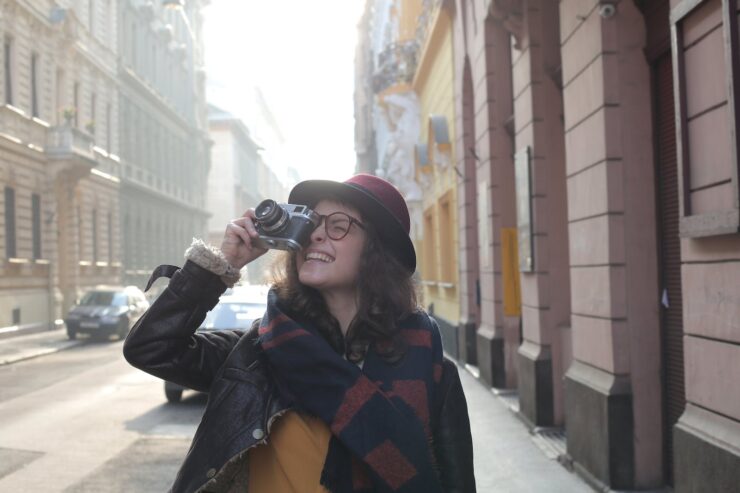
352 220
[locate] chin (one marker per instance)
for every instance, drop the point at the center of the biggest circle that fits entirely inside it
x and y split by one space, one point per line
310 280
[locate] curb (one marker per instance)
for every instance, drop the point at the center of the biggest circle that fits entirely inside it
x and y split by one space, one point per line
36 353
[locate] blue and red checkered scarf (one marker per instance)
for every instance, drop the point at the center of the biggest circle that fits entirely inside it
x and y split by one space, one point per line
379 415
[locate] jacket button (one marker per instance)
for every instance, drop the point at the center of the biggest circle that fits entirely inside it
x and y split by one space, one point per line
258 434
211 472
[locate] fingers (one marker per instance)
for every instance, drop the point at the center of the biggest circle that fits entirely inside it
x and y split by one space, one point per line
247 221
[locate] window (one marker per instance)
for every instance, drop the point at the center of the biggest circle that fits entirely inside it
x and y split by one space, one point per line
108 130
110 238
36 225
76 103
8 65
448 259
80 234
707 117
94 235
93 110
133 46
91 15
59 95
429 251
34 85
10 242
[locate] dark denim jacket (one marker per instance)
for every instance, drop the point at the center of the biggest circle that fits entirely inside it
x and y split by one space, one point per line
242 402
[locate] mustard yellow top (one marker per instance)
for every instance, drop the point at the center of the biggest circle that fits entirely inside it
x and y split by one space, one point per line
292 459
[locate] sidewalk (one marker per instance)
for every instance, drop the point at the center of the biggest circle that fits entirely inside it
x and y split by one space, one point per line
508 459
19 348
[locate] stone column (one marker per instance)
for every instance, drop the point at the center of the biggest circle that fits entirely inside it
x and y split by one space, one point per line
498 336
613 387
467 206
538 111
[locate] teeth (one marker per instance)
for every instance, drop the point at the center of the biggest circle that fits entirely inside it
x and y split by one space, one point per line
319 256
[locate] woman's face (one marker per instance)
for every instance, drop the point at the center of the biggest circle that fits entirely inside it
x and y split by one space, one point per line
332 266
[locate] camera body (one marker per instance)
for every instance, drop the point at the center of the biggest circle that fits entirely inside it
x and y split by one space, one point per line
284 226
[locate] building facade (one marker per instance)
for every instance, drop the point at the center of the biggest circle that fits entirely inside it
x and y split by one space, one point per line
599 239
592 120
165 149
435 170
103 148
238 179
58 157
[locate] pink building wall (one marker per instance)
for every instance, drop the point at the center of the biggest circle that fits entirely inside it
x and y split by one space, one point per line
707 436
596 283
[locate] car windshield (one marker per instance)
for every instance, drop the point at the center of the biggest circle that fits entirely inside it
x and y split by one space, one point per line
104 298
233 315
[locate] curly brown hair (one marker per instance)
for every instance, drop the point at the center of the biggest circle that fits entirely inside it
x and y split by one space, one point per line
387 294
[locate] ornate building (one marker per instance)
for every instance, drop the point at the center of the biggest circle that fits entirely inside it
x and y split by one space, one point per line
165 152
58 157
405 131
84 82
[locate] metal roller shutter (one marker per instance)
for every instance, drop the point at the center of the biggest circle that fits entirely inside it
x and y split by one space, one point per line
670 256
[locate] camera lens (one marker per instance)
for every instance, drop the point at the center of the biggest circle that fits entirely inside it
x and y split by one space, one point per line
271 215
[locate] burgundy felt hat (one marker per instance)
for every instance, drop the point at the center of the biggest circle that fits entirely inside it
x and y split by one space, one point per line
379 202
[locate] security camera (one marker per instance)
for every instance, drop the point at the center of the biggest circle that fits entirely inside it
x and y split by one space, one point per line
607 10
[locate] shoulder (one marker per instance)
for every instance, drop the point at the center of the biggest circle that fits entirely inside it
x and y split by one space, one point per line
420 328
420 319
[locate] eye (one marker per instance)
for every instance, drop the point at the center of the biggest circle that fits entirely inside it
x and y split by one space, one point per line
338 225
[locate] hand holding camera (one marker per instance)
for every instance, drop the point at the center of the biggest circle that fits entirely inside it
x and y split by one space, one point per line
238 244
269 226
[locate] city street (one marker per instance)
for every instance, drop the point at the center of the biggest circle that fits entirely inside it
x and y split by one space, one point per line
83 420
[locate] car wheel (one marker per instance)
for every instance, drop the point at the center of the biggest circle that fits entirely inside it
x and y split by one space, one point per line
71 334
173 395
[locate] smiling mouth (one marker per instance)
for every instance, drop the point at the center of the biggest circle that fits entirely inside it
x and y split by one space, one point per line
321 257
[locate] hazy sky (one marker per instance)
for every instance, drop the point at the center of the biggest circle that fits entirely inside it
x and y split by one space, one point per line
301 55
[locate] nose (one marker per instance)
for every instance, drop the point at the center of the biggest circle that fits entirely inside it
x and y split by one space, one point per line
319 234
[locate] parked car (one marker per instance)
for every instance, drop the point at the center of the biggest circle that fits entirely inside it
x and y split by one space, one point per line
106 310
237 309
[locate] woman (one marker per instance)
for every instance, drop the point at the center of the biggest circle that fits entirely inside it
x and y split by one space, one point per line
341 386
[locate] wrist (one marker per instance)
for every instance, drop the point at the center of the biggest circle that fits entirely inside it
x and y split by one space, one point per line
214 260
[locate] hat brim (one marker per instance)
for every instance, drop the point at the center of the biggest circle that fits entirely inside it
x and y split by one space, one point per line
391 232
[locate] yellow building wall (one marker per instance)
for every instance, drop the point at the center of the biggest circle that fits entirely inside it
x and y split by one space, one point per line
434 85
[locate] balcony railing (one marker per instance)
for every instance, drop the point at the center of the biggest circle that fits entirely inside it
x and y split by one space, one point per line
70 151
396 65
67 142
424 21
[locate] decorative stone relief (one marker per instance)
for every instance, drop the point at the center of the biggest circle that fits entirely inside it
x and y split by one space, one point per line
401 116
399 122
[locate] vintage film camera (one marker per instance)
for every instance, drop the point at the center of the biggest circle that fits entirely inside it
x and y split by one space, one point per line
284 226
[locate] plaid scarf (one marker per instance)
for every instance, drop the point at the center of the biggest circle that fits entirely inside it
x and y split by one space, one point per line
379 415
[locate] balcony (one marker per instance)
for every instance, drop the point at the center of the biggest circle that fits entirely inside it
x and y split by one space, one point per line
396 65
426 18
70 149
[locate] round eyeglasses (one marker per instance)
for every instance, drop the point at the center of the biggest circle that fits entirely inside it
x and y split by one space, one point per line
338 224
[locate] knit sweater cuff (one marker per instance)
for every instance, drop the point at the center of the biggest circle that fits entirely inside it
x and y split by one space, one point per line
212 259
